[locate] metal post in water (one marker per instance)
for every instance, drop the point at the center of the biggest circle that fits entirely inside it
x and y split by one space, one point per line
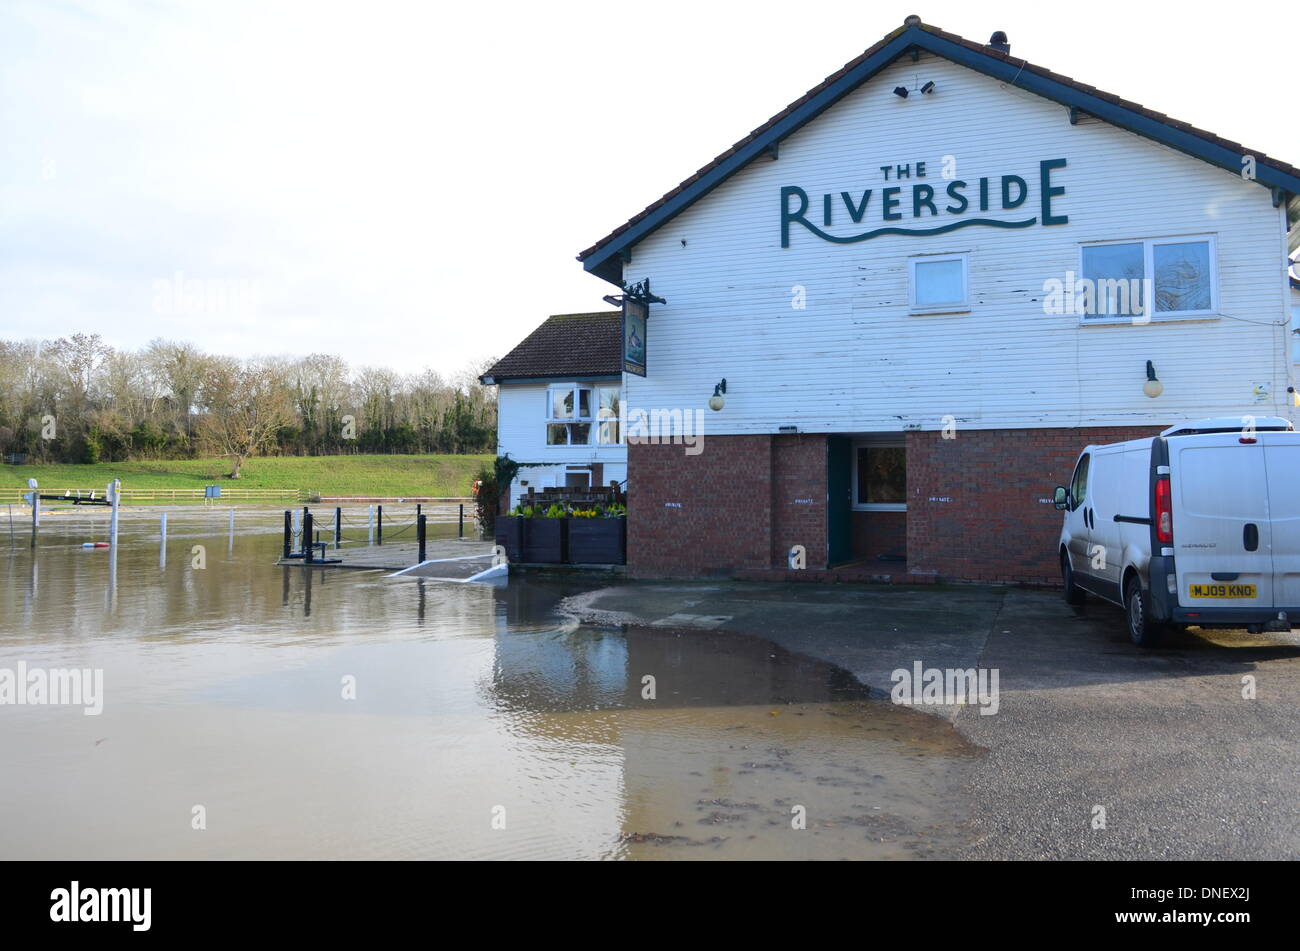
379 531
36 509
114 493
462 521
338 526
296 529
288 533
307 550
370 526
419 531
232 528
162 541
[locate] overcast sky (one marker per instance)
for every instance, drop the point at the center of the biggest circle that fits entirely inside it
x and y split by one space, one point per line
407 184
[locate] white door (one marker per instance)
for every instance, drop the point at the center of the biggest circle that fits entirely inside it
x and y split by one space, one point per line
1282 460
1221 527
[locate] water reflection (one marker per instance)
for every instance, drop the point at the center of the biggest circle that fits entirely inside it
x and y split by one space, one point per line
226 686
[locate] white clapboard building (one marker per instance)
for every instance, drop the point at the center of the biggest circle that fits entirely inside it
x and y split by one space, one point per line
927 283
558 405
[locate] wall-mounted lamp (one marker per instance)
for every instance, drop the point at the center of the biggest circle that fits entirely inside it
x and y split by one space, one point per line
900 92
928 88
1152 387
716 401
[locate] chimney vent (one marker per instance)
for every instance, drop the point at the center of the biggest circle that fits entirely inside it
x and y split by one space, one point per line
998 41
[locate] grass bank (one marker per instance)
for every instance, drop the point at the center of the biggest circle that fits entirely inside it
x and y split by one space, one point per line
440 475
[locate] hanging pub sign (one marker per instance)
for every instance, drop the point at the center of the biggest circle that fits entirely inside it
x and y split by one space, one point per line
635 302
634 319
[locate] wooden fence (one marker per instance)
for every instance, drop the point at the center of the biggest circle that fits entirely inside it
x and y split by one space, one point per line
163 496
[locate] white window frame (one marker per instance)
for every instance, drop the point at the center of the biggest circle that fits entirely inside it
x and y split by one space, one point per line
598 420
961 307
888 443
1150 315
589 420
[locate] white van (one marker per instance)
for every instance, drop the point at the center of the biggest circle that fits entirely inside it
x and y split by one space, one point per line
1197 526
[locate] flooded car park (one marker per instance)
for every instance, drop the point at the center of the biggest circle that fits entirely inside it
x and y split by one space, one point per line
256 711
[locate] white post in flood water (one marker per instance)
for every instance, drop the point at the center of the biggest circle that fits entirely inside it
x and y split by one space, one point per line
370 527
114 492
162 542
297 531
36 507
231 545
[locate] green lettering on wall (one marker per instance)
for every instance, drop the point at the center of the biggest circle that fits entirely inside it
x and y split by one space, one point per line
923 197
1048 191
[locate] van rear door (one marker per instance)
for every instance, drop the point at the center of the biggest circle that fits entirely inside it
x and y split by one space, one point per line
1282 461
1222 536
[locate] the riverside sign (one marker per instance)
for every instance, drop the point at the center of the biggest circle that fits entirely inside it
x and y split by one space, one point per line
944 199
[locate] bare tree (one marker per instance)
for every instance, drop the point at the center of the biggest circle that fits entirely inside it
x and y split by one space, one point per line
246 408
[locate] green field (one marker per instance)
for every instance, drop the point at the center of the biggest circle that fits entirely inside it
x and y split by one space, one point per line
436 475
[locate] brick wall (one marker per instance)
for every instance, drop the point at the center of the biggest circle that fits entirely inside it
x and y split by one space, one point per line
799 498
879 533
994 528
974 504
702 515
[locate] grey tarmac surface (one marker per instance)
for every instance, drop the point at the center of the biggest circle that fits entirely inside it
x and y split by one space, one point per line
1184 766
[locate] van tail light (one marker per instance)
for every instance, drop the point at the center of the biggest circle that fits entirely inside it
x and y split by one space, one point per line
1164 512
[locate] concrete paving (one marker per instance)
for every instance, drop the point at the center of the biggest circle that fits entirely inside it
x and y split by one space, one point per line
1160 746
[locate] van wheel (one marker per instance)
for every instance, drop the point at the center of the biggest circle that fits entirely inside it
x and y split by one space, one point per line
1142 631
1073 593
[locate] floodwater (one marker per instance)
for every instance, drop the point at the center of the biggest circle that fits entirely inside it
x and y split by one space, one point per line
254 711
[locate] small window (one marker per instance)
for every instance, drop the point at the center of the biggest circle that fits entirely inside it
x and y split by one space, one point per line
939 284
880 478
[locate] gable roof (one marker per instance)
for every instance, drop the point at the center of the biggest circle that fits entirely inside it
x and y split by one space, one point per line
604 257
565 345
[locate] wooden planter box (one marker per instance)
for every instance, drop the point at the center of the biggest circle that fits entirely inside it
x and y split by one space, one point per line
544 540
510 535
597 541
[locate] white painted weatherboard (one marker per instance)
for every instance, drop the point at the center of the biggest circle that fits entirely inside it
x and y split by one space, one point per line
521 434
855 360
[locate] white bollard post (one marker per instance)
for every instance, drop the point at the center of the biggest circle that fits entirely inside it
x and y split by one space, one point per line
36 507
114 492
162 542
230 546
370 527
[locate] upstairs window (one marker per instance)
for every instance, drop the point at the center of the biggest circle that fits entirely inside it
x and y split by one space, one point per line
609 409
1151 279
939 284
583 415
568 415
